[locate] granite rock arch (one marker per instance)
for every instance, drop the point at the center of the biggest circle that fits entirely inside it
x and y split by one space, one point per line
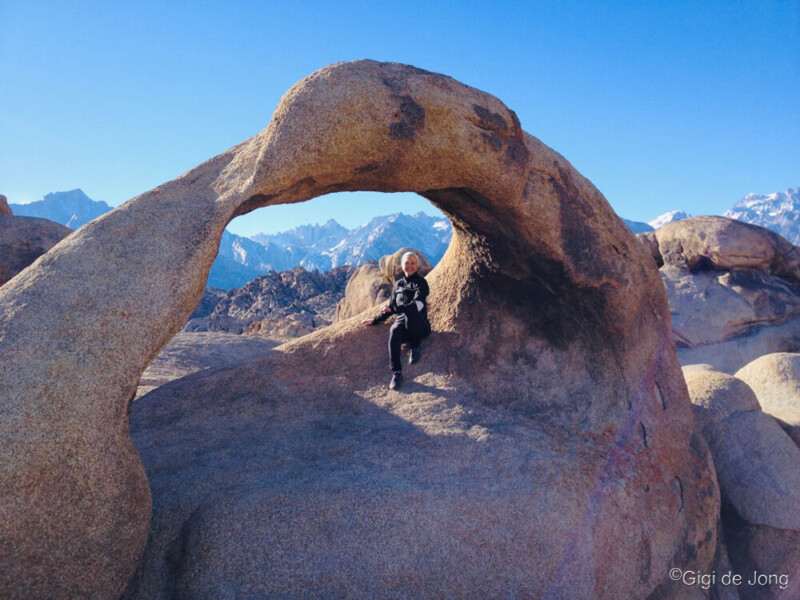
541 284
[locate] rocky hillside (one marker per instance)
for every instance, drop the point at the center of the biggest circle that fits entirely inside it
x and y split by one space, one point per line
277 305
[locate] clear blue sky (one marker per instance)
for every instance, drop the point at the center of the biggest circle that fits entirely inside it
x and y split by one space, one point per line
661 104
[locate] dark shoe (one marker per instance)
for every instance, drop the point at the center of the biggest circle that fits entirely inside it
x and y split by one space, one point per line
415 354
397 380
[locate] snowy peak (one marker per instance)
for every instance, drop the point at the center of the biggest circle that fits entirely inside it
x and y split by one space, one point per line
788 200
315 235
779 212
673 215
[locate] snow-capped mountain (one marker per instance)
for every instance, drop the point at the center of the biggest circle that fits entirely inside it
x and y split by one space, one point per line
72 208
324 247
673 215
779 212
306 236
384 235
241 259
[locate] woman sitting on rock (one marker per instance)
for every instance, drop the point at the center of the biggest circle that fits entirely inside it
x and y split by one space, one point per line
409 302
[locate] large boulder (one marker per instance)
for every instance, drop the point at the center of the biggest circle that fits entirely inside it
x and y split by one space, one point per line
392 268
758 467
733 290
23 240
365 289
546 446
722 243
775 379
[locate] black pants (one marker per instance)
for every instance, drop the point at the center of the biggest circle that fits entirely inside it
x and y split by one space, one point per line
400 334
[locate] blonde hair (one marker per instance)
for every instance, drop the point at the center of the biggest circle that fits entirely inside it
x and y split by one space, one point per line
407 254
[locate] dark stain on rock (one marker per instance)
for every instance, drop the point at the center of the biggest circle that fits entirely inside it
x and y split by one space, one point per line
252 203
644 434
368 168
412 117
392 84
677 486
517 151
660 396
494 139
497 131
489 119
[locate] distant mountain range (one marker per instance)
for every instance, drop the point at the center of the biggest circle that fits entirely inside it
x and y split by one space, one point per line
72 208
323 247
779 212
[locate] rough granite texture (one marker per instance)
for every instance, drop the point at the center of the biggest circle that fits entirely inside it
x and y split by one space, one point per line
733 290
758 467
775 379
545 447
23 240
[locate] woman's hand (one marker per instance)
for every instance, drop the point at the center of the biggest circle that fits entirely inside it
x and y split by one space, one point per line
366 322
386 309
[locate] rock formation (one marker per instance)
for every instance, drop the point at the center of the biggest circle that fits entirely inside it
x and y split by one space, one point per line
23 240
372 283
733 288
775 379
5 210
211 297
281 305
722 243
544 448
758 467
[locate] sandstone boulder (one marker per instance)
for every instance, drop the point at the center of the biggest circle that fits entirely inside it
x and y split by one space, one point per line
547 448
775 379
23 240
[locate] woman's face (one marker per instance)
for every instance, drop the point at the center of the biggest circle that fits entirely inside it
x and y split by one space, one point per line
410 265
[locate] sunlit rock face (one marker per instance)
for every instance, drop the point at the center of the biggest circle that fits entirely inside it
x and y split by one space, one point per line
733 289
544 447
758 466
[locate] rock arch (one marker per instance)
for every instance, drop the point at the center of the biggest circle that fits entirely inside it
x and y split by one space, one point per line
554 312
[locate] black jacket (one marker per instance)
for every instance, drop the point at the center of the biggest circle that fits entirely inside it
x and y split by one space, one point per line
409 302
